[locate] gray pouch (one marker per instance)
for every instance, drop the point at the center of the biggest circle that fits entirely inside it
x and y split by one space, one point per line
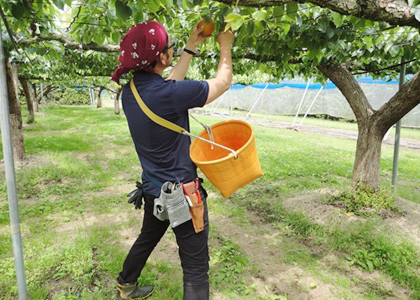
159 209
172 196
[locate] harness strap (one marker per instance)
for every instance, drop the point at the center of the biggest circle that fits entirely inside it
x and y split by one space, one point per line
167 124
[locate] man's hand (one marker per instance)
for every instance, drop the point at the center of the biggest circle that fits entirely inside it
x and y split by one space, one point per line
196 38
225 38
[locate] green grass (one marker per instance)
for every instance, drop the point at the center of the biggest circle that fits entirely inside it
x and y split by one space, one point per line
73 211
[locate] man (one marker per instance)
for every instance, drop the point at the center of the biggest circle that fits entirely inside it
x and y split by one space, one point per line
164 154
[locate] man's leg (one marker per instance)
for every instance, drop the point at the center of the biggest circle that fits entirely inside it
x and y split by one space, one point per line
194 254
152 231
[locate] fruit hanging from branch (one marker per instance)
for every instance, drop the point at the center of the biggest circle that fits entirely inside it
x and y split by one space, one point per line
208 26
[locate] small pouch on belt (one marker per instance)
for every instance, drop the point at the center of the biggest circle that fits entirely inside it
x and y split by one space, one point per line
196 204
176 204
159 209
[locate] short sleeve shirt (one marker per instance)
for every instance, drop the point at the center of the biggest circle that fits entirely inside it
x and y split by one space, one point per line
164 154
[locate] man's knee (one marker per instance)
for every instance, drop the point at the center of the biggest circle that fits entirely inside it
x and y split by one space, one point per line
196 273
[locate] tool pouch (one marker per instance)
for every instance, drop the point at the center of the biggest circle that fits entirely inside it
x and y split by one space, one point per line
173 201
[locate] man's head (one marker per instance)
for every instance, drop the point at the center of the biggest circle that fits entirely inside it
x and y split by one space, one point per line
165 58
146 46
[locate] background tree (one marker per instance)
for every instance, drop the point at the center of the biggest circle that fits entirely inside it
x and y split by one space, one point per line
27 90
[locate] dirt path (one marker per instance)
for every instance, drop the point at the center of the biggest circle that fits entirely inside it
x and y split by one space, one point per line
261 243
340 133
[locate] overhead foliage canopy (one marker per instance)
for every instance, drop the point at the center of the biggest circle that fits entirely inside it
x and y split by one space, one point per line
290 39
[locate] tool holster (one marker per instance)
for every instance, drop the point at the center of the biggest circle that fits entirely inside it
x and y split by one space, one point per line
191 190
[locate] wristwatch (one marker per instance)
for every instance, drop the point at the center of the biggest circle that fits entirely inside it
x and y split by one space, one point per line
189 51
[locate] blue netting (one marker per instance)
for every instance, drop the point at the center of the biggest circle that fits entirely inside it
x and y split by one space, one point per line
314 86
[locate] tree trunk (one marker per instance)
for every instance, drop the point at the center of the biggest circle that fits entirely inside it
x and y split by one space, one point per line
368 156
35 98
15 113
99 100
116 103
29 100
373 124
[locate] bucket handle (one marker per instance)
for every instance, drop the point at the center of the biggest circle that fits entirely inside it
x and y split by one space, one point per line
207 128
235 155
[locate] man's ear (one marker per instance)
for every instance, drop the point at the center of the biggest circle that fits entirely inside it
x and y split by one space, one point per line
162 59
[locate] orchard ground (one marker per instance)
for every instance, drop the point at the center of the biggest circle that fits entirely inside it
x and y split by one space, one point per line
277 238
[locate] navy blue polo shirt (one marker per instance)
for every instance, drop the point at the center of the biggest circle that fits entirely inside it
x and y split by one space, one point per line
164 154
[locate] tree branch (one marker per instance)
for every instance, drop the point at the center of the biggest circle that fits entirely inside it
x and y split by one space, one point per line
347 84
402 103
9 31
386 68
395 12
69 44
75 17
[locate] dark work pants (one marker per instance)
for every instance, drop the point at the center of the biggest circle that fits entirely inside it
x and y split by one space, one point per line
193 251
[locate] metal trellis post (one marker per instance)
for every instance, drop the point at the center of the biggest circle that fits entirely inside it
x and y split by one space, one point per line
313 102
218 103
42 100
258 99
301 102
397 135
11 179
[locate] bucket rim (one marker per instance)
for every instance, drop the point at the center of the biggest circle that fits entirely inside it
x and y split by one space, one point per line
230 155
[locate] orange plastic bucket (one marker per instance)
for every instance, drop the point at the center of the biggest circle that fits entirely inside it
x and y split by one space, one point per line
220 167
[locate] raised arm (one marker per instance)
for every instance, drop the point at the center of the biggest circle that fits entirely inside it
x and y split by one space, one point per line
220 84
180 69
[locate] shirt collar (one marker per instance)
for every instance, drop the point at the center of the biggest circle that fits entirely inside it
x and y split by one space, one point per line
147 76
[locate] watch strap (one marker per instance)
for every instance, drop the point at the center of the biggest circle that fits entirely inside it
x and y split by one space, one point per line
189 51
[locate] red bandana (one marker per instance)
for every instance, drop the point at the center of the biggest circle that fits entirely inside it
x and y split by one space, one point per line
140 47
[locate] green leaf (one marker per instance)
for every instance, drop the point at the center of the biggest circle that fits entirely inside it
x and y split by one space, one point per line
232 17
167 3
337 19
417 13
59 4
99 38
292 9
138 15
237 24
19 10
116 37
68 2
330 32
260 15
234 20
278 11
123 10
394 50
86 38
286 28
342 44
388 46
154 5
